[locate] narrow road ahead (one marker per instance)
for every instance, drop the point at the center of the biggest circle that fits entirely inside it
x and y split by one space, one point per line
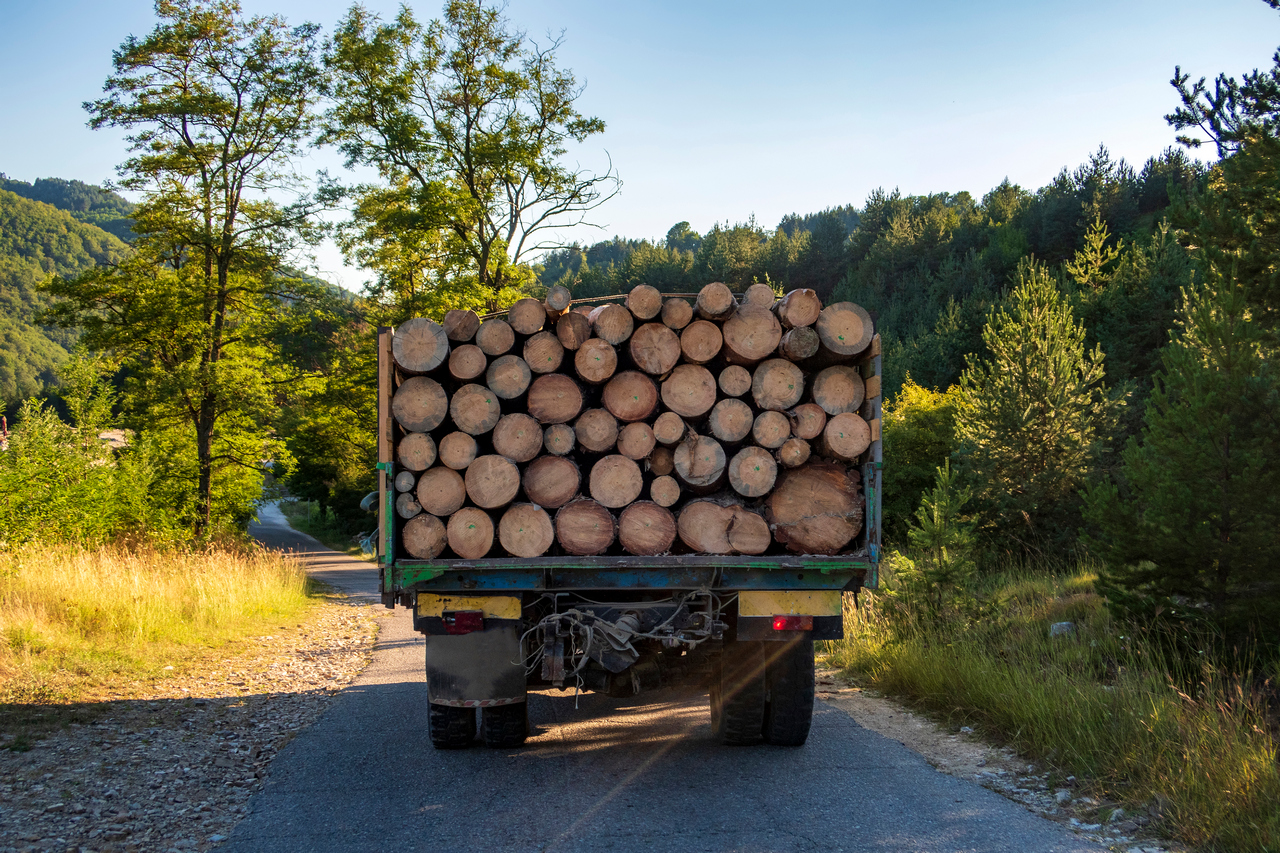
600 774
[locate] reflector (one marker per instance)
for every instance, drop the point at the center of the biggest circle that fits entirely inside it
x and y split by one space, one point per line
462 621
793 623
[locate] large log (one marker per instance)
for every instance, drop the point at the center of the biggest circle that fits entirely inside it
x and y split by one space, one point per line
709 527
838 389
846 437
777 385
595 361
405 481
558 299
508 376
771 429
734 380
457 450
798 308
470 533
420 404
461 325
690 391
749 532
799 343
716 302
492 482
699 463
701 341
416 451
646 529
474 409
495 337
793 453
668 428
662 461
525 530
752 472
630 396
751 335
584 528
845 329
654 348
664 490
419 345
644 302
615 481
407 505
816 508
441 491
573 330
596 431
424 536
526 316
554 399
808 420
467 362
612 323
730 421
760 295
543 352
635 441
559 439
517 437
551 481
676 314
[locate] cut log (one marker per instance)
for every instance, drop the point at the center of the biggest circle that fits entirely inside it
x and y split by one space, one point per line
807 421
668 428
630 396
690 391
798 308
615 481
716 302
424 536
612 323
748 532
474 409
461 325
845 329
551 481
646 529
752 472
846 437
654 348
457 450
584 528
596 431
407 505
798 344
573 330
777 385
664 490
676 314
662 461
793 453
526 316
416 451
420 404
761 296
816 508
543 353
838 389
704 527
595 361
492 482
405 481
525 530
771 429
495 337
635 441
554 399
734 381
699 463
470 533
644 302
751 335
730 421
517 437
441 491
584 310
467 362
701 341
558 439
508 376
558 299
419 345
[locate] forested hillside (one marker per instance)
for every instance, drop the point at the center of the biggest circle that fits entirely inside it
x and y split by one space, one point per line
88 203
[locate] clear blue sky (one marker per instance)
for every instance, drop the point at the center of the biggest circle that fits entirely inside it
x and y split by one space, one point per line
720 110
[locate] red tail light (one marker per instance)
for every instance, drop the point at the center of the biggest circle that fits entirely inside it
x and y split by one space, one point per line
793 623
462 621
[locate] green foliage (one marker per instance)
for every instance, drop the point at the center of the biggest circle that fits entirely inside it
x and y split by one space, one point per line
919 435
87 203
943 541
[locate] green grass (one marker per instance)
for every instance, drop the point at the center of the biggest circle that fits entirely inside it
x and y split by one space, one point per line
1104 703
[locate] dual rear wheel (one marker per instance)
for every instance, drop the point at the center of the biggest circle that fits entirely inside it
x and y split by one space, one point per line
502 726
763 691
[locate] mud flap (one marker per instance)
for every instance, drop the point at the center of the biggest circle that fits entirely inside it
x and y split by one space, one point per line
477 670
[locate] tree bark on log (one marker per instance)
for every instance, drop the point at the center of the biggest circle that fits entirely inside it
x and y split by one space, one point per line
596 431
554 399
419 345
416 451
573 330
734 380
716 302
646 529
457 450
752 472
508 376
615 481
492 482
699 463
644 302
730 421
636 441
559 439
630 396
777 385
664 490
798 308
816 508
584 528
517 437
495 337
407 505
838 389
676 314
420 404
771 429
751 335
424 536
470 533
558 299
525 530
690 391
799 344
467 362
595 361
441 491
551 481
474 409
701 341
526 316
612 323
544 353
461 325
655 349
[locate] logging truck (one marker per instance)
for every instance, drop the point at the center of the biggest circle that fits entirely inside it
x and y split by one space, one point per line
622 493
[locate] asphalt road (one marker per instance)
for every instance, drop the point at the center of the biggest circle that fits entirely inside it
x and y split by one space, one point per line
600 774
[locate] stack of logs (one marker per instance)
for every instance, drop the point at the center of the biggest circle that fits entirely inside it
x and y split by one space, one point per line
543 433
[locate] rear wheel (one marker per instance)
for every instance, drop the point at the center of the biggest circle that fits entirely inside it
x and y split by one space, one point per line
450 727
788 710
738 695
505 726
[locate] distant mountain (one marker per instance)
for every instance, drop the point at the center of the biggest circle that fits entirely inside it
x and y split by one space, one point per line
87 203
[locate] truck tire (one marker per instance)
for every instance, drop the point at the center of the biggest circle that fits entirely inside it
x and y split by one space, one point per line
738 695
505 726
788 710
450 727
